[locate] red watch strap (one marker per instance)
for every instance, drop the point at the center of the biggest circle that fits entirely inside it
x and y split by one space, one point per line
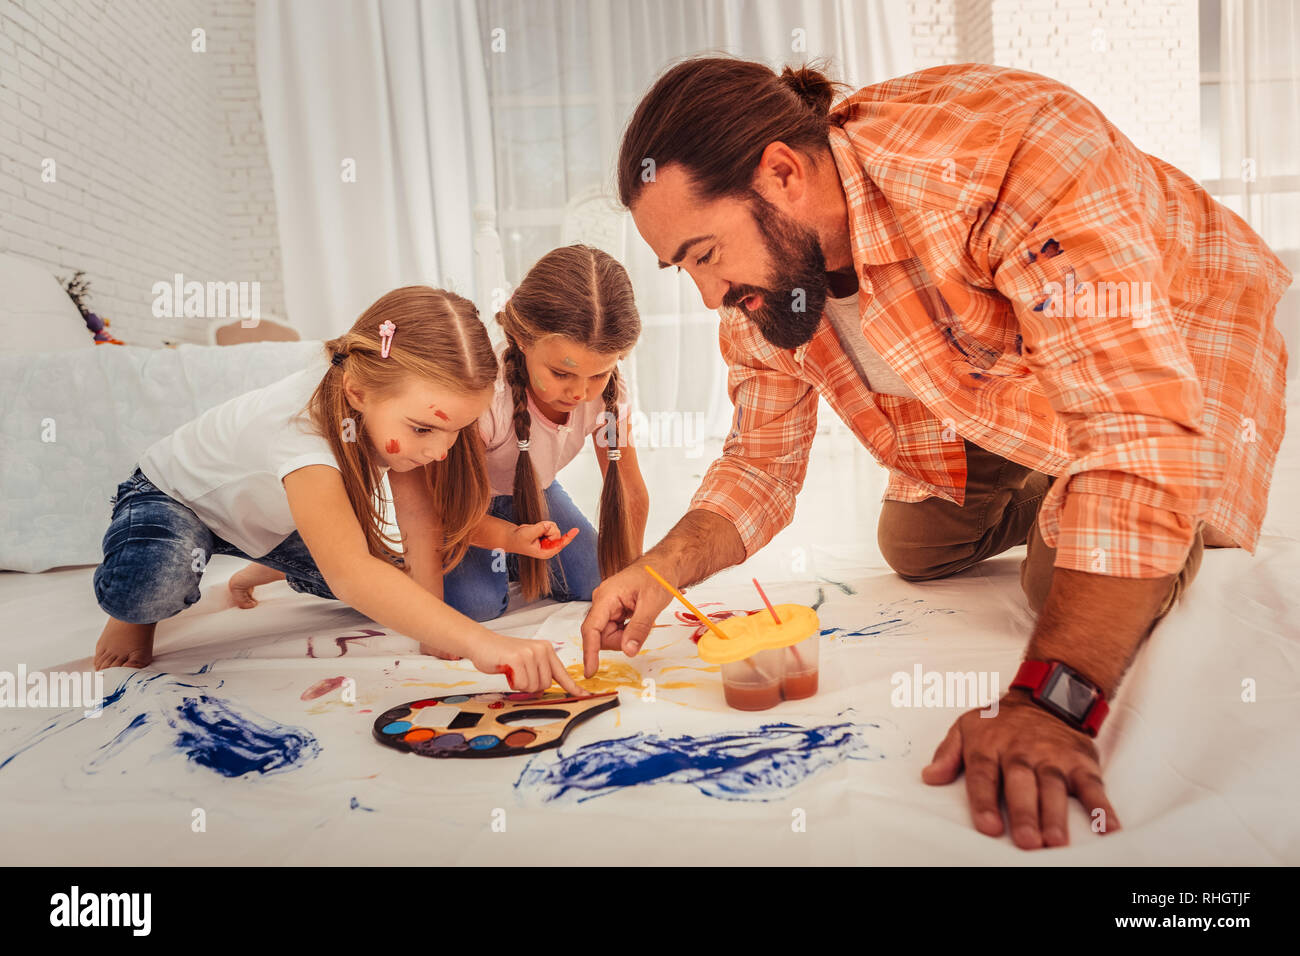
1032 674
1092 723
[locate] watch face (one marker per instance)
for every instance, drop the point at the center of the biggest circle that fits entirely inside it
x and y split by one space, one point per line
1071 696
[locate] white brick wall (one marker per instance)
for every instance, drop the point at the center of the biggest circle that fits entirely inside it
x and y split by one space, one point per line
159 160
1135 59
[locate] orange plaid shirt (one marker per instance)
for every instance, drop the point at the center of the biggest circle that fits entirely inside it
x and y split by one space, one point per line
987 206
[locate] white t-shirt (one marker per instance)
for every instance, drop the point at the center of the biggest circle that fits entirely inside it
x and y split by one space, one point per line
227 464
550 446
879 377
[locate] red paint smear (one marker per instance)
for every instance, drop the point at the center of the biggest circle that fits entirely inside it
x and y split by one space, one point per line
342 642
549 545
440 413
510 674
687 618
393 447
321 688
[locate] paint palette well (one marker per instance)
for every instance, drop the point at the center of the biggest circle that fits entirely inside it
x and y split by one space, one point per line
486 725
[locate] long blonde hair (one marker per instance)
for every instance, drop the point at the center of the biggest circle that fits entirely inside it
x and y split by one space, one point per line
440 339
583 295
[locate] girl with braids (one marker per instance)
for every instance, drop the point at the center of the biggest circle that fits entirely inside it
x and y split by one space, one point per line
290 475
569 322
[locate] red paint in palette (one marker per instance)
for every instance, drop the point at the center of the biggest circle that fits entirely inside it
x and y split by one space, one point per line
393 447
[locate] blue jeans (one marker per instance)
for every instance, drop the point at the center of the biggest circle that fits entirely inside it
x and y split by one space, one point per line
478 587
155 550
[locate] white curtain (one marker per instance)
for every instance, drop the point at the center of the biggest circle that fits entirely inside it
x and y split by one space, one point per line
513 108
564 79
1257 173
378 134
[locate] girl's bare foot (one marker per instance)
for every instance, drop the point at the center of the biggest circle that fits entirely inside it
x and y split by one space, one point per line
124 645
244 580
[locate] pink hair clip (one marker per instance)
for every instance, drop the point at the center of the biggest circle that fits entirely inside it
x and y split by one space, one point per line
386 331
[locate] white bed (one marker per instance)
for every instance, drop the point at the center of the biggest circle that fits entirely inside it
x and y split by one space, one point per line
1196 775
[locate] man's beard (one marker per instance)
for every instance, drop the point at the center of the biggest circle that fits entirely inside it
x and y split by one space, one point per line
790 313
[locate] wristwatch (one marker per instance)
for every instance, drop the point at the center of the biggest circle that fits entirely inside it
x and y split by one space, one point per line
1065 692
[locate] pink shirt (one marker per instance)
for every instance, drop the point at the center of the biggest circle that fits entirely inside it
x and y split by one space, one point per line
551 446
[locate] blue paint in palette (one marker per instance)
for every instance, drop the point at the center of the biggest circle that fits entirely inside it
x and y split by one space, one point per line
754 765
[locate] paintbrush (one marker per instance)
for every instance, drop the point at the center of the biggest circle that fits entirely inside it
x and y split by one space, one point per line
761 593
703 618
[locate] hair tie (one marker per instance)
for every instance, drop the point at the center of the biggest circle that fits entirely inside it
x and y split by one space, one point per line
614 454
523 445
338 358
386 331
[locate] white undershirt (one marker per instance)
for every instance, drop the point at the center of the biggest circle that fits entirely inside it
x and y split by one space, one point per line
876 374
228 464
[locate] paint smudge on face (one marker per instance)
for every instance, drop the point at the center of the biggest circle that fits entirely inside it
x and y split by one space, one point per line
570 362
356 805
180 718
393 447
342 642
322 687
442 416
754 765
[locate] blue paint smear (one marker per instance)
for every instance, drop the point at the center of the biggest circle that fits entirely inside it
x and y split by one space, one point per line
214 735
356 805
132 732
754 765
889 625
843 587
211 732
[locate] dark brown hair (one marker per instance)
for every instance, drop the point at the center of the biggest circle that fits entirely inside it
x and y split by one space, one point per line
439 339
584 295
715 115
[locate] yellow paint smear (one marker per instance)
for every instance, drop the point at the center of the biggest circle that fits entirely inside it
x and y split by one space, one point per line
609 676
687 667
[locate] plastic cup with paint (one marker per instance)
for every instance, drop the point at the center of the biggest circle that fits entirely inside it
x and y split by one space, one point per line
762 661
800 670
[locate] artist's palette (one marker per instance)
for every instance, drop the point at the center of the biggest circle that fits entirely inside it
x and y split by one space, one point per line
486 725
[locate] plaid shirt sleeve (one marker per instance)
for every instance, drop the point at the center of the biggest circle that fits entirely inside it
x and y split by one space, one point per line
765 457
1120 378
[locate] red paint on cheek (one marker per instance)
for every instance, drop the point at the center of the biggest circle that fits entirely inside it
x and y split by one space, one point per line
393 447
